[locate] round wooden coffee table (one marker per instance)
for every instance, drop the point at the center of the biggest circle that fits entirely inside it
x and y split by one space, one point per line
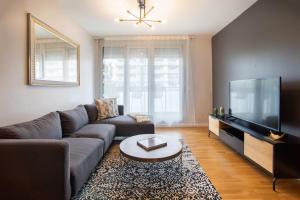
130 149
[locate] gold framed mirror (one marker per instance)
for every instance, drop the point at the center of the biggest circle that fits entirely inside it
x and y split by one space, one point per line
54 59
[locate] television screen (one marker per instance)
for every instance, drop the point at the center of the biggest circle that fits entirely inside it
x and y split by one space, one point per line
256 101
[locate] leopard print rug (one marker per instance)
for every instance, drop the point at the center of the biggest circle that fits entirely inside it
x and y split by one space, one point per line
117 179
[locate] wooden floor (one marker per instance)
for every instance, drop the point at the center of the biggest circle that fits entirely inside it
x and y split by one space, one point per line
233 176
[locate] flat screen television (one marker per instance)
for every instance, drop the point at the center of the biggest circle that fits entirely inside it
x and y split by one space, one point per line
256 101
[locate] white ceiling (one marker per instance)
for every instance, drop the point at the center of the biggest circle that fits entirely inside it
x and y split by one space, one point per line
182 16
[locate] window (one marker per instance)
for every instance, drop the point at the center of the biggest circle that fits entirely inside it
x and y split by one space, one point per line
138 80
113 74
146 80
167 81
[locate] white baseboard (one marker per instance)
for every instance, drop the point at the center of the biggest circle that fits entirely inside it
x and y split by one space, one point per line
181 125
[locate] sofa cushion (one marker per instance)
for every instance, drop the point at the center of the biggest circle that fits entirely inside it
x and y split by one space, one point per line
92 112
46 127
106 132
72 120
121 109
127 126
85 153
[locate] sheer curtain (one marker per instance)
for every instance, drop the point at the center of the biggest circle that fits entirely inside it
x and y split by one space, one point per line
149 75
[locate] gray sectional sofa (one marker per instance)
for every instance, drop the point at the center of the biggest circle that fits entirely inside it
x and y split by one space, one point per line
53 156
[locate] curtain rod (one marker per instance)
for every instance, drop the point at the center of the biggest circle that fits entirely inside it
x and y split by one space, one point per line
147 38
154 37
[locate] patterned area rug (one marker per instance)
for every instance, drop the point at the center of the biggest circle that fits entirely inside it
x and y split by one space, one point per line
117 178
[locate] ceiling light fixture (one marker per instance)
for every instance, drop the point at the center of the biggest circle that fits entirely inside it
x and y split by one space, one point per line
142 18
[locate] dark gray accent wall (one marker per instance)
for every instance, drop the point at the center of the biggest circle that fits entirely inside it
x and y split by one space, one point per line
263 42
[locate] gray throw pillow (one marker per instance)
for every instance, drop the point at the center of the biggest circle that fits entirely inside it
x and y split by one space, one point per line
92 112
72 120
46 127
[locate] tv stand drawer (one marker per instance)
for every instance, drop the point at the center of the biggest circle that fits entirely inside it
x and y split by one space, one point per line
259 151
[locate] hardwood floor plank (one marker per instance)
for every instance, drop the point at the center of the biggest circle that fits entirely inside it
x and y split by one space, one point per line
233 176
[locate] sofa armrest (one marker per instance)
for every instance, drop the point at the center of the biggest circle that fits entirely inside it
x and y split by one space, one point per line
121 109
34 169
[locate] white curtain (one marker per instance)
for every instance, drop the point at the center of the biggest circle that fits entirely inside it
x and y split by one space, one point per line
149 75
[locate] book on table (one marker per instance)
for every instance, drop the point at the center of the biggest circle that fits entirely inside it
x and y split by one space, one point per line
152 143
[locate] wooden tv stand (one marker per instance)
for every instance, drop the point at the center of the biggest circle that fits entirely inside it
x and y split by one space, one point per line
278 158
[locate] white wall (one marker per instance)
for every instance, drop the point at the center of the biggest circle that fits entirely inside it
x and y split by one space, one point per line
201 59
18 101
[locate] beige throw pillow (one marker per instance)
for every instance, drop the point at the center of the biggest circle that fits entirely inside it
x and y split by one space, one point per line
107 108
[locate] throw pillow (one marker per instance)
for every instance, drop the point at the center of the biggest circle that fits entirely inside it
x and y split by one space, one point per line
73 120
107 108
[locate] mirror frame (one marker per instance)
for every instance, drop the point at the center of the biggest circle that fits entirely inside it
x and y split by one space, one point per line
31 53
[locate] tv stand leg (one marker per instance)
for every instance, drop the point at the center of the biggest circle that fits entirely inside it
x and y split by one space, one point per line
209 133
274 183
